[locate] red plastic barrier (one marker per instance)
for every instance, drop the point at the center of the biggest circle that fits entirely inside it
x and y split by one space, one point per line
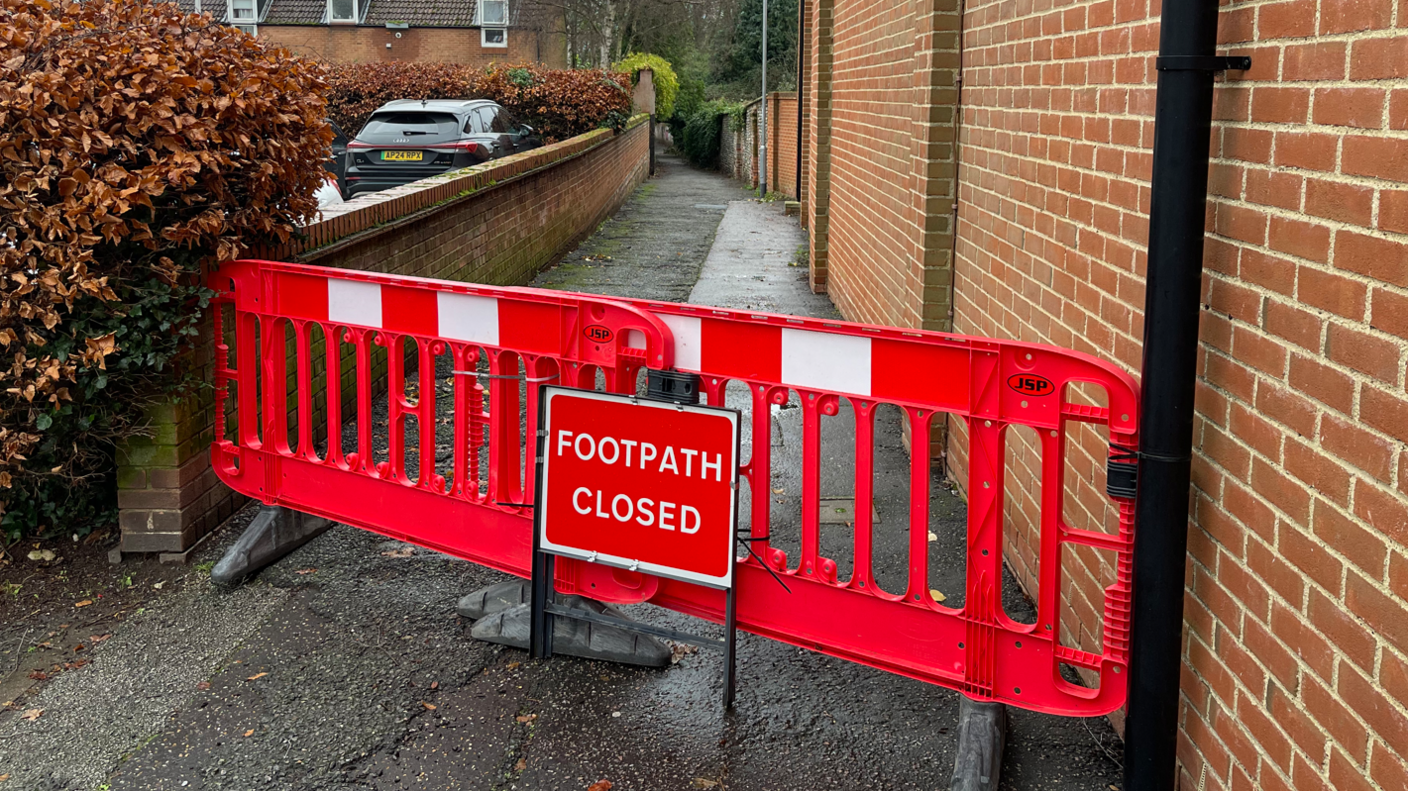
566 338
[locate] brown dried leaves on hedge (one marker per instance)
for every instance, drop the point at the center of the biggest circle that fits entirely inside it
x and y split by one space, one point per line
129 131
355 90
559 103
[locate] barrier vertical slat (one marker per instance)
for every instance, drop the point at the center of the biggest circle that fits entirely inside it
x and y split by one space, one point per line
465 361
247 388
332 350
537 369
1052 490
811 483
426 410
395 464
275 399
504 433
363 340
919 421
864 574
761 468
303 348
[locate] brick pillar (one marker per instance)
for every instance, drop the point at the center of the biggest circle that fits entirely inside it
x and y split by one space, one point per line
804 80
933 158
819 140
168 496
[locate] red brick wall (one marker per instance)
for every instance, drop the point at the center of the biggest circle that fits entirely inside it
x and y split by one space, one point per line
522 213
1296 653
782 144
365 43
880 200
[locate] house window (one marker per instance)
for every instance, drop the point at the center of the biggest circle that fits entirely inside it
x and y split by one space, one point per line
242 14
493 22
493 13
342 10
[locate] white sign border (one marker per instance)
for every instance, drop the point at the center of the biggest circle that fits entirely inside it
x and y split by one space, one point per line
548 392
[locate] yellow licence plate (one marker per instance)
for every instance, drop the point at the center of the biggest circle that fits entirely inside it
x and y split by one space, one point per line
402 156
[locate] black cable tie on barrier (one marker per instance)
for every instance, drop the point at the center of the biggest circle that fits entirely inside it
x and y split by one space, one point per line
1122 472
748 542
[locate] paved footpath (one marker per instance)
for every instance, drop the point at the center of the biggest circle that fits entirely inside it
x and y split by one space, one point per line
345 667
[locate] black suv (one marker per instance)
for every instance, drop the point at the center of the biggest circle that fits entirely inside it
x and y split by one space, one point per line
407 140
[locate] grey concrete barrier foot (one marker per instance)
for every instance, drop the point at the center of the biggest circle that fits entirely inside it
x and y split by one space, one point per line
509 626
275 532
982 733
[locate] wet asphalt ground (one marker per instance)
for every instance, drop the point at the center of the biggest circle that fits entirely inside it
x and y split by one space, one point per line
344 665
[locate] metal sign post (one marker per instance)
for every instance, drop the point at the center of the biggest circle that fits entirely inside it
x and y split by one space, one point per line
645 485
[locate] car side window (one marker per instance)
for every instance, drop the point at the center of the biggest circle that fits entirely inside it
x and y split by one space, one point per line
473 124
500 120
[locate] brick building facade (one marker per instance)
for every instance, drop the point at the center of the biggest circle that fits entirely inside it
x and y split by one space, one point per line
1295 671
471 32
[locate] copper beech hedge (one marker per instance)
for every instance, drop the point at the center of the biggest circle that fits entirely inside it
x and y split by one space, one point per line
137 145
559 103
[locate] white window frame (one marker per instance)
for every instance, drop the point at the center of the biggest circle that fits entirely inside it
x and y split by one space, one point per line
356 14
251 26
486 43
479 13
500 27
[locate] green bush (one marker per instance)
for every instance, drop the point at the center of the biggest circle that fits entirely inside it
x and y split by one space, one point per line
667 85
697 137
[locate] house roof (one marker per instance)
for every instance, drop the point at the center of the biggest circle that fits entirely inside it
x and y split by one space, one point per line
446 13
296 12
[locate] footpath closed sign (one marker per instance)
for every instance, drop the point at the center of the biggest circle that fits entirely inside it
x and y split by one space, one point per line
643 485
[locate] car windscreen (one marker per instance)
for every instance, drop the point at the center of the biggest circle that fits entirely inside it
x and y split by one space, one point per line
410 128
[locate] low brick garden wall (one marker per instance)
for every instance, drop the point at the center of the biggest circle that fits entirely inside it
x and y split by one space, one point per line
498 224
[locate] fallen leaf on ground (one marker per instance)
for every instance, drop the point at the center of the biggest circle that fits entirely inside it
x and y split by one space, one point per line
704 782
527 717
249 733
933 536
777 491
938 596
514 665
98 638
306 571
204 685
435 685
39 675
256 676
31 714
4 777
521 765
83 603
600 785
400 553
428 706
679 651
42 554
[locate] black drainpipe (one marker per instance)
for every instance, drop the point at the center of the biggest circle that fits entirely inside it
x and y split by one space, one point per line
1182 126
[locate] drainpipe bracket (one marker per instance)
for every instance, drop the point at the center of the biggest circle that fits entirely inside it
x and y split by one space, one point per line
1203 63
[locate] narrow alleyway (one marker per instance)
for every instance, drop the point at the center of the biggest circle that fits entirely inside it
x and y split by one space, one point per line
344 667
